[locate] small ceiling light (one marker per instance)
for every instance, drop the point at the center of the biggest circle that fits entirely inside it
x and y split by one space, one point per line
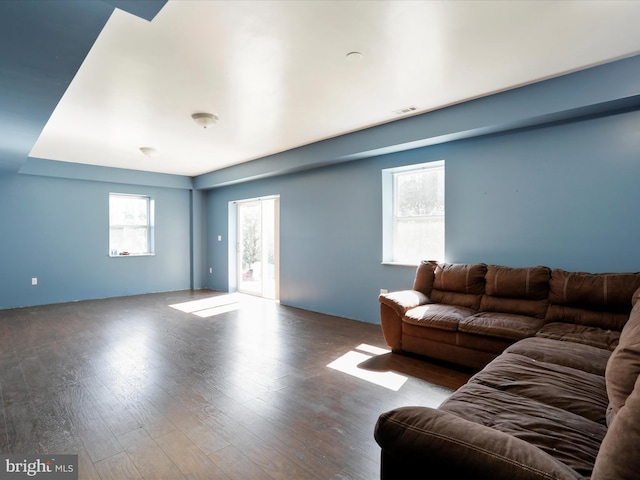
149 151
354 56
405 110
205 120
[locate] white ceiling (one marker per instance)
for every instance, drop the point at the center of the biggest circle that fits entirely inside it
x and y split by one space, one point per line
276 72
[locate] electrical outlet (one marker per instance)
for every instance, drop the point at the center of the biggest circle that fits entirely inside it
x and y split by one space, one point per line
34 281
383 290
210 269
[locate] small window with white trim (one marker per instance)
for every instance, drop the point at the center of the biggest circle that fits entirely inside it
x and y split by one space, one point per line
413 213
131 224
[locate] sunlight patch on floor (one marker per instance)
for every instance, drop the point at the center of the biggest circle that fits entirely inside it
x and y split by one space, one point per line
212 312
371 349
348 363
209 307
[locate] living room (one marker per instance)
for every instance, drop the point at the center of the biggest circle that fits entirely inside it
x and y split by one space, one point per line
560 195
539 174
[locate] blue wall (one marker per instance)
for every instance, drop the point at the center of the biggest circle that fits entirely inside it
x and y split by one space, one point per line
564 195
58 230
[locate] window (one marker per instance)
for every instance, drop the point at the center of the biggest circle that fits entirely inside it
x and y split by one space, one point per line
413 213
130 224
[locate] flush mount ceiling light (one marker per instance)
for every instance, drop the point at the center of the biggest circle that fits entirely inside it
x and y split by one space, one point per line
204 120
149 151
354 56
405 110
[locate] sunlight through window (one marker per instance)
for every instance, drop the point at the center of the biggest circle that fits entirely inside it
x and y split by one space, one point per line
350 361
209 307
212 312
130 358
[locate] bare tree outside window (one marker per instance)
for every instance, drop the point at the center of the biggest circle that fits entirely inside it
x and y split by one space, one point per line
251 252
417 213
130 224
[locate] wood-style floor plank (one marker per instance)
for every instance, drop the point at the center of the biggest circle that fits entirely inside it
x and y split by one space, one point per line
98 440
117 467
191 461
143 391
237 466
148 457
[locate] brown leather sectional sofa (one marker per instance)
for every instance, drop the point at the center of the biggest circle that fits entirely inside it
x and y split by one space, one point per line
561 400
469 313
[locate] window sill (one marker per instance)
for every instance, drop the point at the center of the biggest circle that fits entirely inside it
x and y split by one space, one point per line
400 264
133 255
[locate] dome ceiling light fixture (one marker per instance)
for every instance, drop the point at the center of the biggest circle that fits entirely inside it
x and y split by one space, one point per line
405 110
149 151
354 57
205 120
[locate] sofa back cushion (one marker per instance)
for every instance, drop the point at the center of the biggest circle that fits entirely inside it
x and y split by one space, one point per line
423 281
596 299
459 284
623 366
521 291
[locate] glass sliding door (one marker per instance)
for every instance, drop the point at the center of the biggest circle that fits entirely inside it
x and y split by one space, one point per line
258 247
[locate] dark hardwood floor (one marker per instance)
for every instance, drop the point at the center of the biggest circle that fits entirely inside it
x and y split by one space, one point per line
242 390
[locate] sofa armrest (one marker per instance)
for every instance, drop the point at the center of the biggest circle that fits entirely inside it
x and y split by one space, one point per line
403 300
392 308
421 440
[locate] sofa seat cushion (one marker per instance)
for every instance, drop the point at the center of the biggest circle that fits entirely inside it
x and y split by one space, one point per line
570 332
436 315
517 306
572 439
569 354
501 325
483 343
558 386
448 337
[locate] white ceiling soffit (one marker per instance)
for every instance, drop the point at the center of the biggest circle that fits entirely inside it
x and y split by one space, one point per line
277 73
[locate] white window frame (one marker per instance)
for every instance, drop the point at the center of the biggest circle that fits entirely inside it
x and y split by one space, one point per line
390 218
149 226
